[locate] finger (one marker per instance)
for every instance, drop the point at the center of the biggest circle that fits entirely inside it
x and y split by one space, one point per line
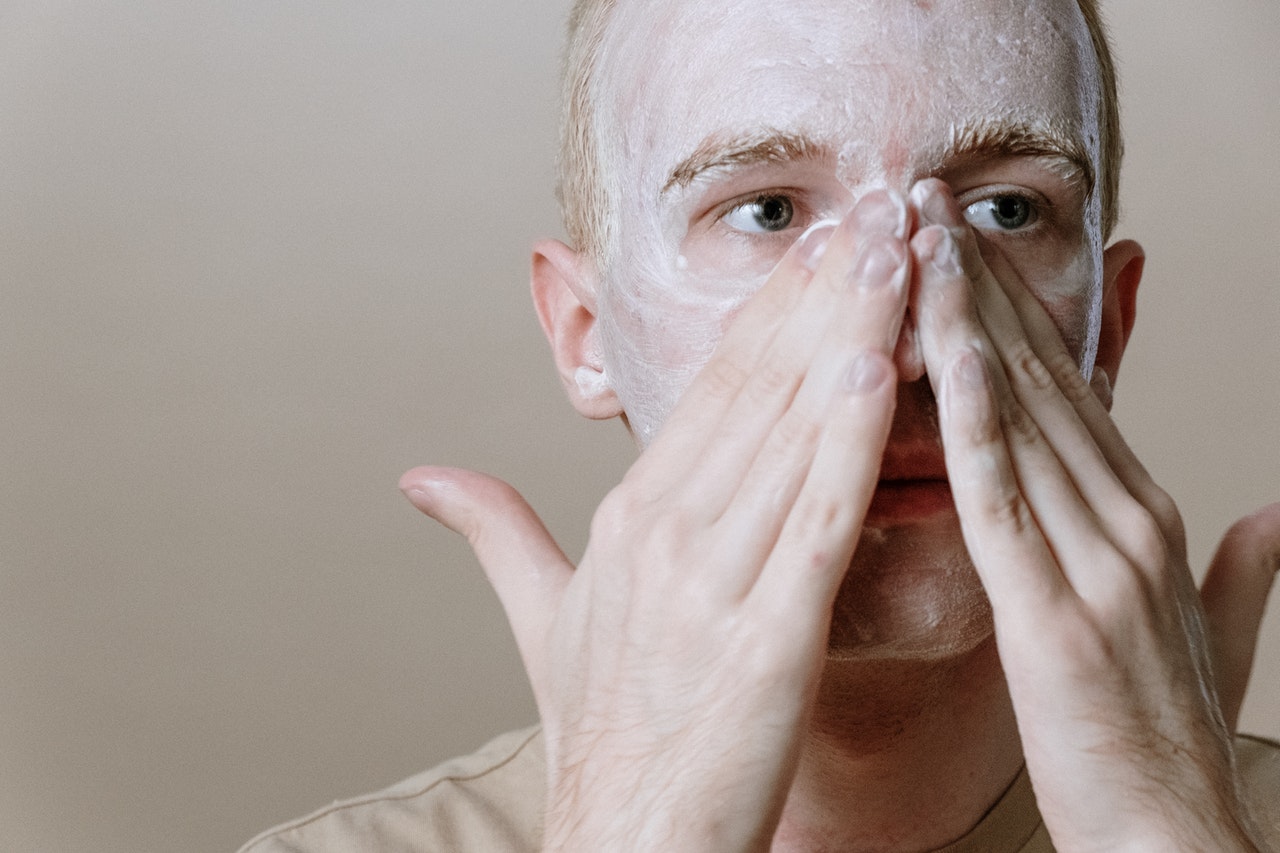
1001 532
950 329
975 406
853 298
837 402
717 385
523 563
1042 373
1046 380
816 542
1234 595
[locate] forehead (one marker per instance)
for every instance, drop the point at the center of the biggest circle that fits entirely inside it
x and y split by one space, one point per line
885 82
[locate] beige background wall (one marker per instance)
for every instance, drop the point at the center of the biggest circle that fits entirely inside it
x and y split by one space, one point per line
259 256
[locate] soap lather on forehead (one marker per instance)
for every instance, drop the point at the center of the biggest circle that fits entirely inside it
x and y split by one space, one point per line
884 88
854 74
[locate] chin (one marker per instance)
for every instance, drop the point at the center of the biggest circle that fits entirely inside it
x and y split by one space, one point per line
911 594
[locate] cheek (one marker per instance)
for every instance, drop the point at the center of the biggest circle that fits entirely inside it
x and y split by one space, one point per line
1064 280
657 335
1071 298
1071 314
724 265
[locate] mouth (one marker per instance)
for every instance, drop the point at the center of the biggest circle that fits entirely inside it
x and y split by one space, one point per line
904 501
913 486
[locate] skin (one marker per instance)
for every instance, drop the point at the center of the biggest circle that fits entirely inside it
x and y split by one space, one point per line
877 93
687 265
766 643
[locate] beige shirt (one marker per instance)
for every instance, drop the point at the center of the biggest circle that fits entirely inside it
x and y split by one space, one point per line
491 801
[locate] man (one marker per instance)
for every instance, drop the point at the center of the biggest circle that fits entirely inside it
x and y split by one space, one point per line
885 575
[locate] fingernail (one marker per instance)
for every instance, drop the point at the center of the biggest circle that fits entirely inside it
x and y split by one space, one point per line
946 256
882 210
876 265
899 215
417 485
1101 384
971 370
932 205
812 244
417 494
867 372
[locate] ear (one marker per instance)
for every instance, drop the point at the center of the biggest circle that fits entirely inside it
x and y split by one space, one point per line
563 283
1122 265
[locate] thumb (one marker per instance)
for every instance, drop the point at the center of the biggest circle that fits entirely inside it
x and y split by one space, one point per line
1234 594
523 563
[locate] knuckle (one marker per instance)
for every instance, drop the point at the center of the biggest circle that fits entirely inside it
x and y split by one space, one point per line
819 516
1132 602
1143 539
797 428
1147 539
1006 509
605 521
1068 376
661 527
1026 367
1097 651
774 377
760 665
1164 511
1089 644
724 377
1018 425
616 513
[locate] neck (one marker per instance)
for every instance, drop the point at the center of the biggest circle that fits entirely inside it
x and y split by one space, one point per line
902 755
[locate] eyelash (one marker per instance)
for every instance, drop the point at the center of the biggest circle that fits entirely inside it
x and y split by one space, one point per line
1039 209
800 212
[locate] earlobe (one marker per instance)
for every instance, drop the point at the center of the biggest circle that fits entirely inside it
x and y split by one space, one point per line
563 285
1122 265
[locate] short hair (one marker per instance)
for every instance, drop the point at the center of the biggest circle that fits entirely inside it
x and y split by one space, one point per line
587 204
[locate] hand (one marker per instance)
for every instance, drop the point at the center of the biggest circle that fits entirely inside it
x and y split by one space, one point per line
1098 622
1234 594
675 668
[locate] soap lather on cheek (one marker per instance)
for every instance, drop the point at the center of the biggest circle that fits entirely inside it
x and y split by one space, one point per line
664 316
658 338
662 310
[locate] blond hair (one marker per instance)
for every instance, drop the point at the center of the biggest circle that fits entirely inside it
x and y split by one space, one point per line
587 204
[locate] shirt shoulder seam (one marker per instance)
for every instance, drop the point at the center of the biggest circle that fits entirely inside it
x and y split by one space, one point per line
1265 741
369 799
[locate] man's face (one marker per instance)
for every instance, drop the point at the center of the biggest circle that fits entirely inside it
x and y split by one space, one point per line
739 123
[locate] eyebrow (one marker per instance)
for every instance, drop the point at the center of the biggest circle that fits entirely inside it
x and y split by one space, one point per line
971 141
993 140
717 153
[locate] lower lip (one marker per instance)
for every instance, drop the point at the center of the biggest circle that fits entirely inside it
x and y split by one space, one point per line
901 501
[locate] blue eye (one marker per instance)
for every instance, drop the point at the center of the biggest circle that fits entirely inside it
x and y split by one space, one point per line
765 214
1001 213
